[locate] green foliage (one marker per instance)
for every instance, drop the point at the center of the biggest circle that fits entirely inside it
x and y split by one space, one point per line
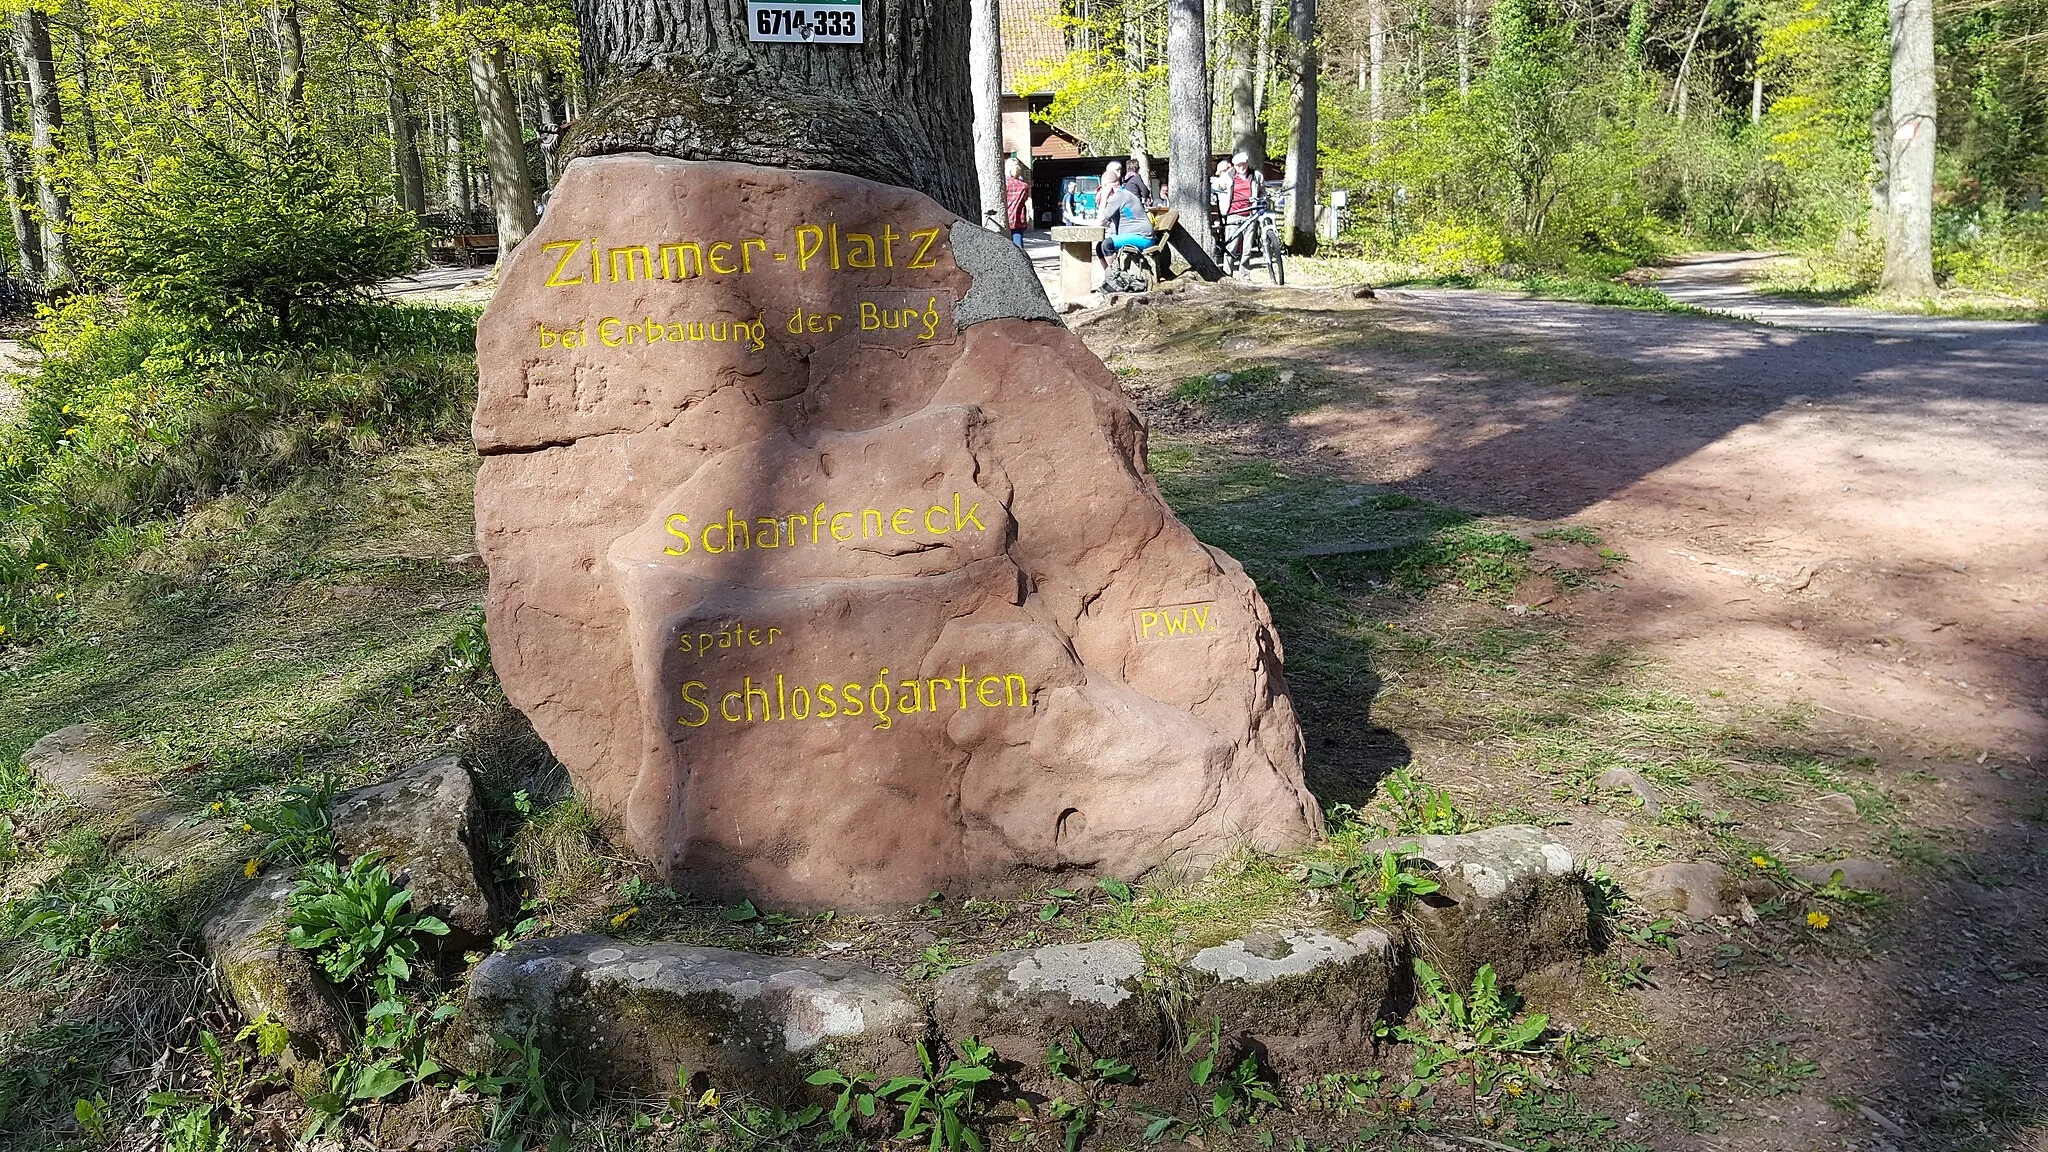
114 916
532 1096
132 415
1476 1030
296 828
939 1105
1420 808
1383 885
243 239
355 921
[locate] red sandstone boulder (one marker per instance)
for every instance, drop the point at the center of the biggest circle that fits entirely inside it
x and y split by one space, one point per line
830 562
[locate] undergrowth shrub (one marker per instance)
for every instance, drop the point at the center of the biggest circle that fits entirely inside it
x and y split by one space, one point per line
262 237
135 413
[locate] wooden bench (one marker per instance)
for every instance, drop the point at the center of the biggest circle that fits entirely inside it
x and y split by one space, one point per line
468 249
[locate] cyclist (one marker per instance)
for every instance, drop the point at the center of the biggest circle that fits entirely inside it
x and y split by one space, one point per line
1239 192
1125 222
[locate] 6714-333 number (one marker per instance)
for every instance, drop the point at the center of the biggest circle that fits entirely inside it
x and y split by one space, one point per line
805 23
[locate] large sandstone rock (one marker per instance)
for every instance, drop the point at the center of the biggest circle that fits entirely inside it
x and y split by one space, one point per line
1306 997
244 939
1510 897
630 1015
426 824
1022 1003
824 557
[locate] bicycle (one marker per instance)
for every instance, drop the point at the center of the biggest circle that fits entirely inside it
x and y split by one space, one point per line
1260 232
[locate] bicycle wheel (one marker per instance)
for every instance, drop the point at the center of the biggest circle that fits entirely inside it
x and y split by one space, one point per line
1276 265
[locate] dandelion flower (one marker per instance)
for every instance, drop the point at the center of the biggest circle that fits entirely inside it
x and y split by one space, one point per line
218 807
248 827
42 567
619 921
1404 1105
1514 1089
1760 861
1817 919
60 595
250 869
709 1099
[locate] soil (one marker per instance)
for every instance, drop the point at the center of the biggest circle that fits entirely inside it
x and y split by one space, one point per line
1847 527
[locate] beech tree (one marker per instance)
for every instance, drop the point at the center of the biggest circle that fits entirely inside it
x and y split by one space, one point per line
1298 230
1187 128
1909 211
46 127
680 77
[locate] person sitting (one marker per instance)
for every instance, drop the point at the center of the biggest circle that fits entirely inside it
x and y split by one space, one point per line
1124 219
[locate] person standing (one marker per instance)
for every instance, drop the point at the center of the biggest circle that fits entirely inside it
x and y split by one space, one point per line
1016 200
1240 191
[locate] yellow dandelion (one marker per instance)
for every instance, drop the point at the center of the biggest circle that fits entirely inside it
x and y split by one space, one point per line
3 629
1817 919
709 1099
1404 1105
619 921
218 807
60 595
1514 1089
252 866
1760 861
248 827
42 567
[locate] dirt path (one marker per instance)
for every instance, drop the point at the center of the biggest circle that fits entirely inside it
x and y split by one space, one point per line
1846 530
1719 281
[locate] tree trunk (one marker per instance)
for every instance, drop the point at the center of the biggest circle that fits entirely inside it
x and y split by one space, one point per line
1299 229
1464 47
1685 61
1908 233
1187 131
454 170
1376 47
1137 101
1238 46
497 113
291 63
46 127
1262 64
985 87
1756 98
554 116
680 78
26 241
409 182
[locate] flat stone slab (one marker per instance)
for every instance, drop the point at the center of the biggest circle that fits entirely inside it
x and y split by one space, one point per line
1306 996
1511 897
1021 1003
73 764
629 1015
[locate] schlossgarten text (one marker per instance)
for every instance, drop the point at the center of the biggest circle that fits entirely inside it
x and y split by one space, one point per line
882 699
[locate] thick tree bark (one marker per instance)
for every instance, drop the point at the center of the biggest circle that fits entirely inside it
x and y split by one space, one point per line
26 242
1908 233
680 78
985 85
497 112
1239 44
1299 229
1187 124
46 128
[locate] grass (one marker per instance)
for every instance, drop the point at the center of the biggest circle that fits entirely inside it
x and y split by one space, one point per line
1825 279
